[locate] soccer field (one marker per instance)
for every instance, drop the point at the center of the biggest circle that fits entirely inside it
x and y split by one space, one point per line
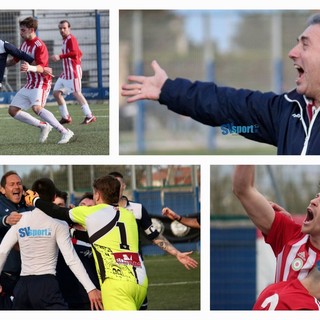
18 138
171 285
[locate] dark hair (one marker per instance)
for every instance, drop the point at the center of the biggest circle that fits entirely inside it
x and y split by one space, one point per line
116 174
109 187
86 195
29 22
314 19
45 188
62 194
6 175
65 21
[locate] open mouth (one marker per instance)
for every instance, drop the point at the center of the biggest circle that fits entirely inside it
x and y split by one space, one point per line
300 70
309 216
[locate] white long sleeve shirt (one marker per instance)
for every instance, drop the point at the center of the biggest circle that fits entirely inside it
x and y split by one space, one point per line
40 237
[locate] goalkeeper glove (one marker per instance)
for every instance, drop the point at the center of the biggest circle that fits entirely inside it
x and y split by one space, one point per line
31 197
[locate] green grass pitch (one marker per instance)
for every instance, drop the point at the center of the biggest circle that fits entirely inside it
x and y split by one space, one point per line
171 285
18 138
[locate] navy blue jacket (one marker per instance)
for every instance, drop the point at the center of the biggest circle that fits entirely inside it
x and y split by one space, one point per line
279 120
13 263
7 48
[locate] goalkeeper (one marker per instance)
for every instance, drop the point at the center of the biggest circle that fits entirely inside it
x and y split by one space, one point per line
113 234
7 48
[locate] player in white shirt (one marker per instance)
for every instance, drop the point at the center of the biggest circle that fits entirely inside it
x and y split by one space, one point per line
40 237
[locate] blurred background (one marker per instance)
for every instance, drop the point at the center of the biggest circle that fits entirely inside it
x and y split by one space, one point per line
241 263
237 48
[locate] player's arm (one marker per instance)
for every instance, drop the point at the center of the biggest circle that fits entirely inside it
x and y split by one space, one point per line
189 222
17 53
183 257
256 205
51 209
74 263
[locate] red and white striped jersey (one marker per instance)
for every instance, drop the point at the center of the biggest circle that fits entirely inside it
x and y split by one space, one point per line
286 295
71 58
38 50
295 255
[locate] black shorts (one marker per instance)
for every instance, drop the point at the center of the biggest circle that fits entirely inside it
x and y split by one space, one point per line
38 292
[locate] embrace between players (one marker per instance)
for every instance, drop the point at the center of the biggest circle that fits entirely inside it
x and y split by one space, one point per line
111 230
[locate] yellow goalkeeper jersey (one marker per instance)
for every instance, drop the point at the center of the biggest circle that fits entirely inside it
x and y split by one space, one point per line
113 234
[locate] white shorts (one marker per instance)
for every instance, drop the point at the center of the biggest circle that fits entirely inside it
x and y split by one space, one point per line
27 98
68 86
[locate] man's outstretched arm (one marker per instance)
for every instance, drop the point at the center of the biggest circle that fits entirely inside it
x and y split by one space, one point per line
256 205
17 53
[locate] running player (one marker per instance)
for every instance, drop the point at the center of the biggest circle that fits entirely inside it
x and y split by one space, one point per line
35 92
70 79
113 234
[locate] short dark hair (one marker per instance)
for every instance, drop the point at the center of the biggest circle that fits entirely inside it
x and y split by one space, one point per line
116 174
86 195
109 187
6 175
45 188
62 194
29 22
65 21
314 19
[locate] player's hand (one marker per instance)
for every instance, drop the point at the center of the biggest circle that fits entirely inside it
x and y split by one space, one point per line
55 57
277 207
187 261
167 212
47 71
0 288
141 87
24 67
30 197
13 218
95 299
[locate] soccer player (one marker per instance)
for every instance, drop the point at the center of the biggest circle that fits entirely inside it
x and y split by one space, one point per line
292 295
70 79
35 92
296 247
145 223
113 234
40 238
7 48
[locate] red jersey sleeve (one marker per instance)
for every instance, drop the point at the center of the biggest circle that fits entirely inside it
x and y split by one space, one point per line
282 230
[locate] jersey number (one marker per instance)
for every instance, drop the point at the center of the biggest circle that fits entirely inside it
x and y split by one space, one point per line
272 301
123 236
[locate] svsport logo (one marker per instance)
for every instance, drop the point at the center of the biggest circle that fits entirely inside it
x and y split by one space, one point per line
230 128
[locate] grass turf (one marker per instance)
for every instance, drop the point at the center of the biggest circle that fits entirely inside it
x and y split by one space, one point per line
18 138
171 285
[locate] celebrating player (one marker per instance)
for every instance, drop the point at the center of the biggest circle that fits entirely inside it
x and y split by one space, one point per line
70 79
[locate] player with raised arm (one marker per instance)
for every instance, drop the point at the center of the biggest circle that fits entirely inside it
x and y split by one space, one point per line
35 92
296 247
70 78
